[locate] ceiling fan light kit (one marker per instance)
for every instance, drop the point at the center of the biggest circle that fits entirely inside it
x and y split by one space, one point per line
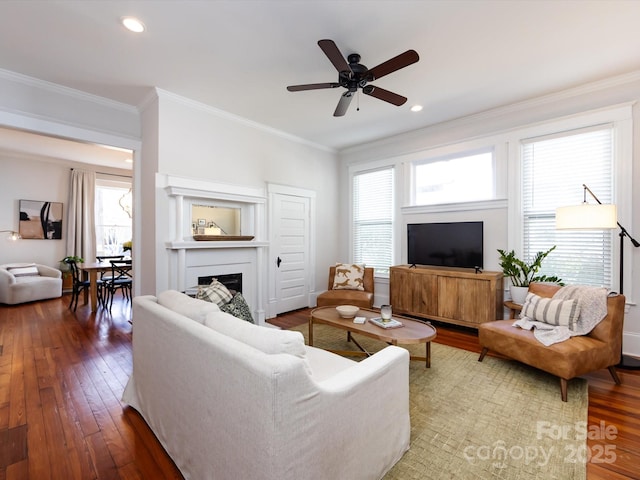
352 75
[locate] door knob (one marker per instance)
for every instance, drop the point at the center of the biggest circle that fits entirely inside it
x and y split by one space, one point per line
278 262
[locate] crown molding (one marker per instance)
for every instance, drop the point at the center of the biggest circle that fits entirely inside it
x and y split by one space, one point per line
65 162
67 91
148 99
159 93
551 98
505 110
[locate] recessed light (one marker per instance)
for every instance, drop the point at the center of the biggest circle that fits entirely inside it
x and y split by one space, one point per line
133 24
416 108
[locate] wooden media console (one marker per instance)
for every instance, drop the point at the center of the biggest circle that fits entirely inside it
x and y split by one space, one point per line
453 295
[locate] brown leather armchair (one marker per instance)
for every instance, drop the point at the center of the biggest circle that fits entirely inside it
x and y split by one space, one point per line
360 298
601 348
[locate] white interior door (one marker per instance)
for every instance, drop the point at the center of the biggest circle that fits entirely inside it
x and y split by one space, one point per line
290 251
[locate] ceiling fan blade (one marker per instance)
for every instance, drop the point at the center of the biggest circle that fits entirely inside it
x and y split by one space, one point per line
343 104
312 86
386 95
331 50
393 64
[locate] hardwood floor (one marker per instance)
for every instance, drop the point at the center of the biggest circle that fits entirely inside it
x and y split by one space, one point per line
62 375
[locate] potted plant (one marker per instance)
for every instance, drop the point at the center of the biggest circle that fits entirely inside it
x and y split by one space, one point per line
522 273
64 263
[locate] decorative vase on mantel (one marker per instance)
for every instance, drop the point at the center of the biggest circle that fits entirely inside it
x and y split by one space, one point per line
518 294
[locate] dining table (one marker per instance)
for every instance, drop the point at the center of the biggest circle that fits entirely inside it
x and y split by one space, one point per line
91 270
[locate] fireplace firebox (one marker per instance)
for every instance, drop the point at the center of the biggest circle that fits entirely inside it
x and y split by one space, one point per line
233 281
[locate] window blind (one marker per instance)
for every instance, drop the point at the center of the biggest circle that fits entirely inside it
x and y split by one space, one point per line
373 219
554 170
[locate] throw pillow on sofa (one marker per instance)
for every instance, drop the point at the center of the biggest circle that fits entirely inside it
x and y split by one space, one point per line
29 271
238 307
215 292
349 276
551 311
185 305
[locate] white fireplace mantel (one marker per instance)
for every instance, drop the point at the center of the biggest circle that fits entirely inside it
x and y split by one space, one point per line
186 245
190 259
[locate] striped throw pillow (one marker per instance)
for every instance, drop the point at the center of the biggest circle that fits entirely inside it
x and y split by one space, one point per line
24 271
552 311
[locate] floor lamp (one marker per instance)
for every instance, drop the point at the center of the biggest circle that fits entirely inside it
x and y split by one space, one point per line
591 217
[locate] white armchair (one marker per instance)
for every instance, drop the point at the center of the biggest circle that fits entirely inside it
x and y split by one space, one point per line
26 282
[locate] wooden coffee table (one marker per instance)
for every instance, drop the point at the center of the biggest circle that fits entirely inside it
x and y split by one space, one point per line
413 332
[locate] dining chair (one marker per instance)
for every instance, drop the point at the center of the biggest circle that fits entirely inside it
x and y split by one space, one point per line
121 279
80 285
105 275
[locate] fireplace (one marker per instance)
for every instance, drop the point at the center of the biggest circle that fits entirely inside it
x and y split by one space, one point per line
233 281
238 264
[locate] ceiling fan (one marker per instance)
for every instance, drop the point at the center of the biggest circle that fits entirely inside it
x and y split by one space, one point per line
353 75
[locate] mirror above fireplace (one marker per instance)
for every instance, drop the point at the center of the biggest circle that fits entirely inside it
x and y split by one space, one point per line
215 220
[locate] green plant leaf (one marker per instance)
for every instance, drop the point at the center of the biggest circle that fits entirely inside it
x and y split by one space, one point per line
522 273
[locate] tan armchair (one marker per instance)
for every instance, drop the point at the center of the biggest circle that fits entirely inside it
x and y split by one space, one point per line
359 298
601 348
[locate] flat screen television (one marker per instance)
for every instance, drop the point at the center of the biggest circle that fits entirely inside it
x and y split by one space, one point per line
454 244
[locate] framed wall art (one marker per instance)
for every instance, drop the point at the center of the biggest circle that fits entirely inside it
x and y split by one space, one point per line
41 220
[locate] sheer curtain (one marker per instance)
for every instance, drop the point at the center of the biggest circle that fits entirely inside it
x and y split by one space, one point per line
81 230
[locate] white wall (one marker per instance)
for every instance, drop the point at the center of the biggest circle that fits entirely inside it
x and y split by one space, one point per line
28 177
182 138
33 105
610 92
39 106
188 139
197 141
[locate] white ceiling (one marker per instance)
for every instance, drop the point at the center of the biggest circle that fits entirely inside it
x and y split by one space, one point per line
239 55
56 149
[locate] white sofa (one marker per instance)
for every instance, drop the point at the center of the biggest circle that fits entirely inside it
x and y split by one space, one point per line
26 282
225 405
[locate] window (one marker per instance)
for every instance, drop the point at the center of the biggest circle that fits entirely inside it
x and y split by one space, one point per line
464 177
113 222
554 169
373 219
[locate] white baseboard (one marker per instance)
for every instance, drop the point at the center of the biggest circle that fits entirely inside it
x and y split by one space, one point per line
631 344
313 298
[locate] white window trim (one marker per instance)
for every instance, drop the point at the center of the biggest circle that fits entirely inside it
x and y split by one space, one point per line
493 144
445 158
119 181
455 207
621 117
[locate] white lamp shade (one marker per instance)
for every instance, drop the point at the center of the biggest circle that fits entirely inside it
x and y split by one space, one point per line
587 217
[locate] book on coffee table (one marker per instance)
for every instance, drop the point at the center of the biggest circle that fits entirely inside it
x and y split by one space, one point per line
393 323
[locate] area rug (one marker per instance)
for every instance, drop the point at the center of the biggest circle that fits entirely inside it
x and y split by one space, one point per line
496 419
